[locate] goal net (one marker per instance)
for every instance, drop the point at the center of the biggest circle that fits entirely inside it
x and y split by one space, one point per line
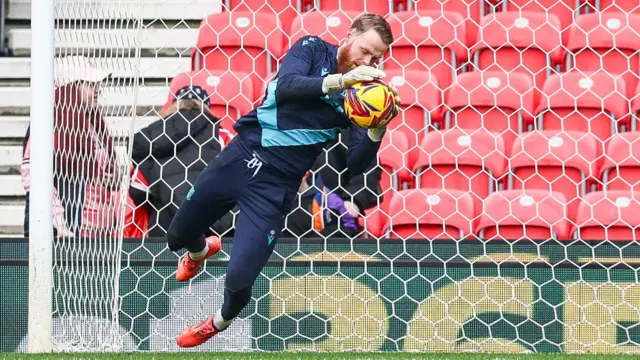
503 206
97 72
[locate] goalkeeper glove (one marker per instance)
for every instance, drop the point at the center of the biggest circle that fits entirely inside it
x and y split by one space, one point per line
335 83
377 133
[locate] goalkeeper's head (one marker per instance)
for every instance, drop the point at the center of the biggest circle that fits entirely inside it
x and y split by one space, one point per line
366 42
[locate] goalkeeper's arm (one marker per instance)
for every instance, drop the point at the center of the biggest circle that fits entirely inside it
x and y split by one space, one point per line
295 79
363 149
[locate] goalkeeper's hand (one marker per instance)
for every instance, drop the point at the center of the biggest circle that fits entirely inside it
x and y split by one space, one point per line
335 83
377 133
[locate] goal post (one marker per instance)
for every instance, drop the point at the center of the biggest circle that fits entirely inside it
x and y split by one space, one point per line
41 199
78 168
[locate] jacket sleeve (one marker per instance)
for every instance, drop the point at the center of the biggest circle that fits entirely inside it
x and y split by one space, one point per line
294 81
362 151
166 137
364 189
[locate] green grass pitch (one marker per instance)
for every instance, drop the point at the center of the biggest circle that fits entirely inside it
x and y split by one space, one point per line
306 356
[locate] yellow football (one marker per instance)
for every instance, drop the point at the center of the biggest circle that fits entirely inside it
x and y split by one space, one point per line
367 103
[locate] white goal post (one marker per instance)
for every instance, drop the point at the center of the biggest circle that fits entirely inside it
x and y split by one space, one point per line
74 265
41 199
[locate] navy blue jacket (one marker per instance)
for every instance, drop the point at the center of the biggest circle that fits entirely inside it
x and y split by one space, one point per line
295 120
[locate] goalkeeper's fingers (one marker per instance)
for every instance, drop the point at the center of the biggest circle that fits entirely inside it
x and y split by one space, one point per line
396 97
370 71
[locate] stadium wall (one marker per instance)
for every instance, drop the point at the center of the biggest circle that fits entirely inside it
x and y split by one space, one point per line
349 295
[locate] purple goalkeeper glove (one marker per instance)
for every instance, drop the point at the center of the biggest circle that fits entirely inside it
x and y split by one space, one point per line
336 203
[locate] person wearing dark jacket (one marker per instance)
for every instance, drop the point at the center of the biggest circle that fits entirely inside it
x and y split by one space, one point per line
171 153
360 192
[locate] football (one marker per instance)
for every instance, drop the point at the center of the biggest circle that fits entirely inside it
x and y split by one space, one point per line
367 103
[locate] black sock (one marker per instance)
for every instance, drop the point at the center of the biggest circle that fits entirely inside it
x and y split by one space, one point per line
234 302
196 246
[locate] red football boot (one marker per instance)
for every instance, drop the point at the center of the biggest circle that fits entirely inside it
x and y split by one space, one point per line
188 268
197 334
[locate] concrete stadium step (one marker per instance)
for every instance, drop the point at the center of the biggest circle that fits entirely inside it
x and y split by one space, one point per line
155 39
150 67
11 158
15 127
12 219
119 9
11 185
20 97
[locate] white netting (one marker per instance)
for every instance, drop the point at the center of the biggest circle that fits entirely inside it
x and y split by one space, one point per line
510 173
94 108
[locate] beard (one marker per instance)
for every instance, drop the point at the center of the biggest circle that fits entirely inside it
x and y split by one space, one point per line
345 62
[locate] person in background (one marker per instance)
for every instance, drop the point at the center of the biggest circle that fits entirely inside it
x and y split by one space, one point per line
168 156
86 172
359 192
319 212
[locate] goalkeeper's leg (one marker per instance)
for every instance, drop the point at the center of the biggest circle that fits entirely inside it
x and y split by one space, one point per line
212 196
258 227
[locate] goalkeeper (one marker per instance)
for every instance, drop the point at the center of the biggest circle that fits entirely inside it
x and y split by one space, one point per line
276 145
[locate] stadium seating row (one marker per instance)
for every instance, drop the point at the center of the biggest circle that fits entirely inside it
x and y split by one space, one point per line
470 9
571 164
478 160
501 102
511 214
526 42
486 150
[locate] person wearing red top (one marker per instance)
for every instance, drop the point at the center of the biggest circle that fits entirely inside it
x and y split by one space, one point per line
86 174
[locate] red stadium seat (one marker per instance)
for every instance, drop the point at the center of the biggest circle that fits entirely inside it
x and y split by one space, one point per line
395 175
625 6
430 214
370 6
371 222
577 102
330 26
420 40
608 215
461 160
231 94
607 42
496 101
527 42
563 10
517 214
564 162
393 159
286 10
240 41
421 106
471 10
635 112
621 167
